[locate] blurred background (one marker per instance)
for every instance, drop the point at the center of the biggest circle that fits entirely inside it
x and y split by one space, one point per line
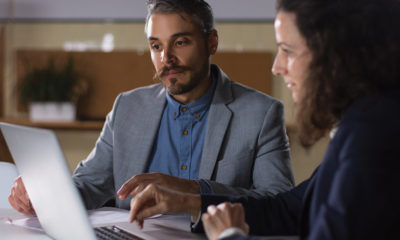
96 49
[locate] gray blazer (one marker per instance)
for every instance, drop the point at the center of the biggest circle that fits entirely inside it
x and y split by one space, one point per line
245 150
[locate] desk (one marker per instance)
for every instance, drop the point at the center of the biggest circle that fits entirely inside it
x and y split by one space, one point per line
164 227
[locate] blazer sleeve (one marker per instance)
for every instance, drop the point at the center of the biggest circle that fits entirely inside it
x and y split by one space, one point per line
270 215
94 176
272 169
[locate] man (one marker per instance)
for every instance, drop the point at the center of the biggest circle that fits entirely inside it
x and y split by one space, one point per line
196 131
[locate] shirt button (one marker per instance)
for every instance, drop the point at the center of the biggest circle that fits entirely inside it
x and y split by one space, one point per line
185 132
174 114
197 115
184 109
183 167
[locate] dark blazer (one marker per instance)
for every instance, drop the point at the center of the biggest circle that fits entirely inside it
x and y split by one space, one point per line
353 194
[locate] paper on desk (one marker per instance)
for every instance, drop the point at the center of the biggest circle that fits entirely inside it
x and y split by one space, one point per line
102 216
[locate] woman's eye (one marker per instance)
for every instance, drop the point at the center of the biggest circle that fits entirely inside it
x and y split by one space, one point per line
287 51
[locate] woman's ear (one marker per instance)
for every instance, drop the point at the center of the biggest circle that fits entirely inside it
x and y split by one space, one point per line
213 42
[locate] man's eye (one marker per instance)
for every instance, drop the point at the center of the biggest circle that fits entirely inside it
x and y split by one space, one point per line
180 42
156 46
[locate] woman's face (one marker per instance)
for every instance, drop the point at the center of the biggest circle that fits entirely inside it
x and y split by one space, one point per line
293 57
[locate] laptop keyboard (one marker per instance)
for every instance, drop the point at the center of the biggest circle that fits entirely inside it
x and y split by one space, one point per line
114 233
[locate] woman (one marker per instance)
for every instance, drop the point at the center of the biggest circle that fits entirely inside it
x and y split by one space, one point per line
341 59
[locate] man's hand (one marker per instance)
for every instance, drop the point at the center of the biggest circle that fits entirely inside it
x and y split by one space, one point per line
139 182
224 216
155 199
19 198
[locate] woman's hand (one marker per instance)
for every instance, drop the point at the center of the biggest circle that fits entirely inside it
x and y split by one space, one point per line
225 215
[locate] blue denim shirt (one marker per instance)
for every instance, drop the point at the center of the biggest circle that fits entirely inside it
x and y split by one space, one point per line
180 138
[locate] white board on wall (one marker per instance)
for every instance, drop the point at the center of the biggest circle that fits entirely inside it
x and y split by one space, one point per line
123 10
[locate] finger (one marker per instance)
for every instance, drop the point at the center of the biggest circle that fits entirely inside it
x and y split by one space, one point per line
142 179
17 208
24 206
127 187
133 193
209 226
211 210
224 206
18 205
131 184
237 206
137 190
22 199
14 204
20 190
19 183
239 211
151 211
140 223
140 201
15 198
205 217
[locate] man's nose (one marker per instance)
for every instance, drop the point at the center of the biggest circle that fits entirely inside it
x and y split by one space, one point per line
168 57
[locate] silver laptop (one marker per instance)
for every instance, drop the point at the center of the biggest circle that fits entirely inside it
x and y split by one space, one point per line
58 205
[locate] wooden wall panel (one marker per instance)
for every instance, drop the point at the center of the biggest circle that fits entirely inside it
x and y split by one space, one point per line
111 73
5 155
249 68
107 74
2 57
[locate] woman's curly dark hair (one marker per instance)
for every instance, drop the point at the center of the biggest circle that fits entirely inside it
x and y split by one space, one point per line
356 51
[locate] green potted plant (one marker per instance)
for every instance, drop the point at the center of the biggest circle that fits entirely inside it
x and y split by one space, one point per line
51 93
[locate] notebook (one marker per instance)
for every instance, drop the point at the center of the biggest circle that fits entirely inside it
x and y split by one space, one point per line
57 203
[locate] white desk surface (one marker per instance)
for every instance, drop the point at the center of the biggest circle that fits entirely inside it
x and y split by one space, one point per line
164 227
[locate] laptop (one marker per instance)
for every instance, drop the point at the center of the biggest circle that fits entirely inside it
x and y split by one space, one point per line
57 202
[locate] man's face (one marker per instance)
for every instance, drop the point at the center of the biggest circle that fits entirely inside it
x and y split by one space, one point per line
179 51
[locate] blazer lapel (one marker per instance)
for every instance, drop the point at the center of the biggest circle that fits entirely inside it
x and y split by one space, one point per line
147 126
218 121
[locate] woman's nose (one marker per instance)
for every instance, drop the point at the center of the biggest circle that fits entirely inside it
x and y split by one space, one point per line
278 67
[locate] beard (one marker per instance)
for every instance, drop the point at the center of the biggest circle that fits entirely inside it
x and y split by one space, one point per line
176 88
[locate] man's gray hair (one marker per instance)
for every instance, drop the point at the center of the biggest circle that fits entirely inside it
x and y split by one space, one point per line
200 11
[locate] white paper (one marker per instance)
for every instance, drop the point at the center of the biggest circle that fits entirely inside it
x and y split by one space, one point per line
102 216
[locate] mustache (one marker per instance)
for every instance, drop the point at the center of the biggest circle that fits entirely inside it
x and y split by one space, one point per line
165 69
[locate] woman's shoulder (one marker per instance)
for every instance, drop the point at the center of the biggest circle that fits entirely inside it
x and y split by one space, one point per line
375 108
370 130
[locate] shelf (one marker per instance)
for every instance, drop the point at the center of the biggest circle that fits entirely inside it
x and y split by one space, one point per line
76 125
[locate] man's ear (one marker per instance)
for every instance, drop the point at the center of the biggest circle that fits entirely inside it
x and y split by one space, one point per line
213 42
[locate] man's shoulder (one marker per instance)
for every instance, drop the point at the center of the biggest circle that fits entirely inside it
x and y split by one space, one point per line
239 93
144 92
140 97
244 94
